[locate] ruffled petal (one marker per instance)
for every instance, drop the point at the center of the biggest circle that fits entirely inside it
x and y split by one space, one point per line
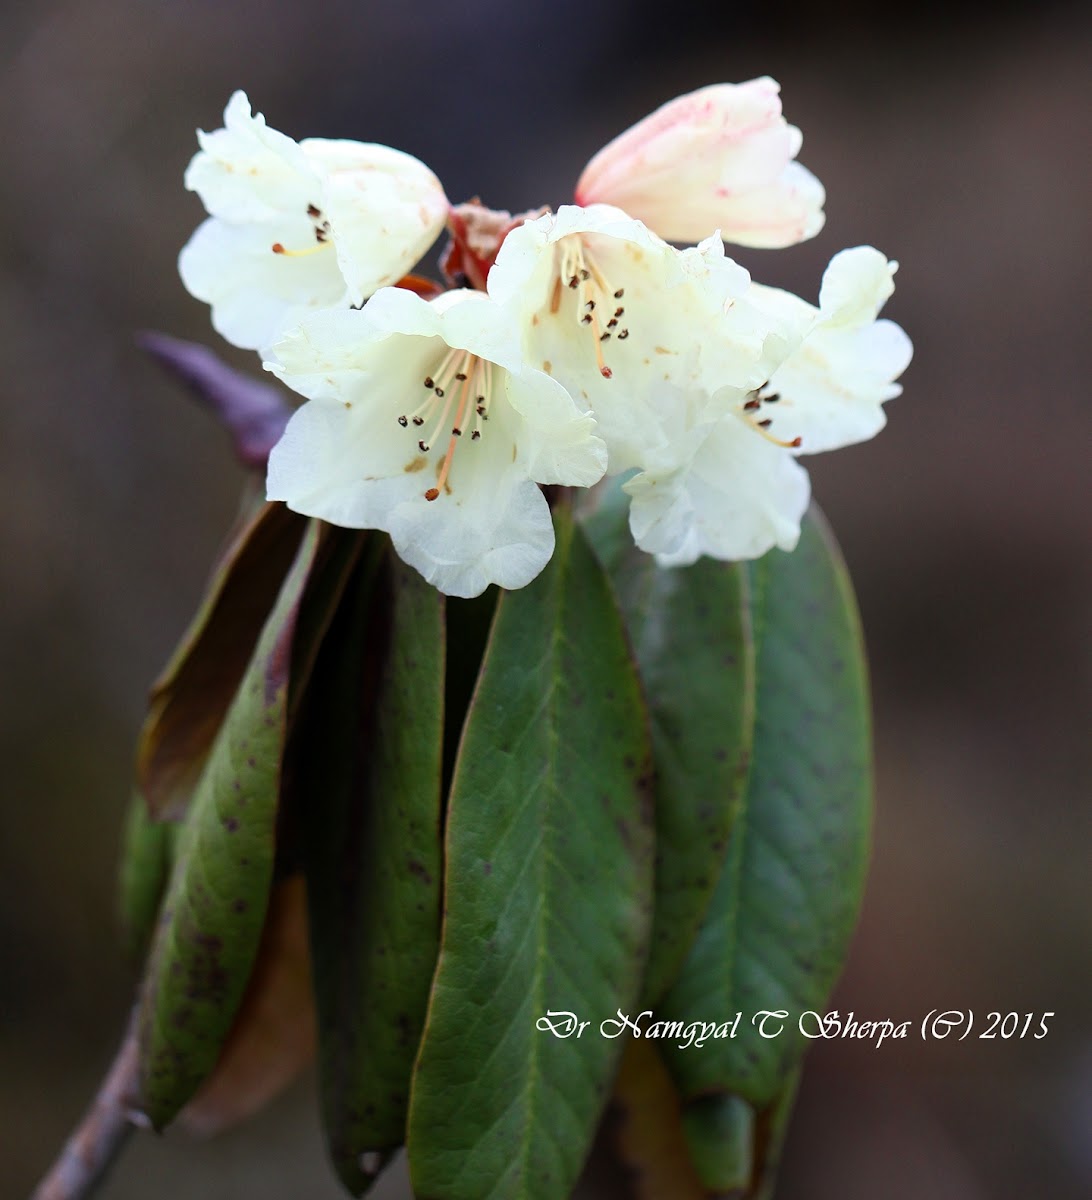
499 532
734 498
558 441
249 172
830 391
856 285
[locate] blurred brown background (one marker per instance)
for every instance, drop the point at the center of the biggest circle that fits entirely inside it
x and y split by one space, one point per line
957 144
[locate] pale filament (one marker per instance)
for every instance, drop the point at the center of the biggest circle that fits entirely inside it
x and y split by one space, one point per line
279 249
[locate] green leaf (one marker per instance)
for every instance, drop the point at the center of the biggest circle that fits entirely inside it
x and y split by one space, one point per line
216 902
371 755
147 853
191 696
547 888
690 630
778 928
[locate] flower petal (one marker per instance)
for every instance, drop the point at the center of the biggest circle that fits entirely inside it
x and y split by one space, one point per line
385 208
255 293
247 171
558 442
735 498
830 390
856 285
500 533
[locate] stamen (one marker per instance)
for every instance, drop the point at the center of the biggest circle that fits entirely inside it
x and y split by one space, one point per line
279 249
760 427
583 274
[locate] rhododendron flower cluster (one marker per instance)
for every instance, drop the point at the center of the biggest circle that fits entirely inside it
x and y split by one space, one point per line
562 346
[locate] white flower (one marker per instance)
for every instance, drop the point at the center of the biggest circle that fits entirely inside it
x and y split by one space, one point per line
832 389
718 158
297 227
728 486
627 323
423 421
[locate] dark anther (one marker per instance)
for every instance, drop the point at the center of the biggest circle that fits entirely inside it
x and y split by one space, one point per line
590 306
623 335
574 282
481 407
619 310
460 376
418 420
620 293
429 381
751 405
585 319
403 422
312 211
773 398
585 273
765 424
612 322
457 431
439 392
422 447
604 337
475 435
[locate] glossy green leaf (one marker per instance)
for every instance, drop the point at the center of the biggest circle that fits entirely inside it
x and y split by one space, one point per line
690 630
778 928
191 696
371 757
546 896
215 906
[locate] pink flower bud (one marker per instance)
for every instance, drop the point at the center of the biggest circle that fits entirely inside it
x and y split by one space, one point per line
720 157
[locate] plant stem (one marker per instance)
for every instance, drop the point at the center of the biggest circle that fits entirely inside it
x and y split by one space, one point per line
98 1139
